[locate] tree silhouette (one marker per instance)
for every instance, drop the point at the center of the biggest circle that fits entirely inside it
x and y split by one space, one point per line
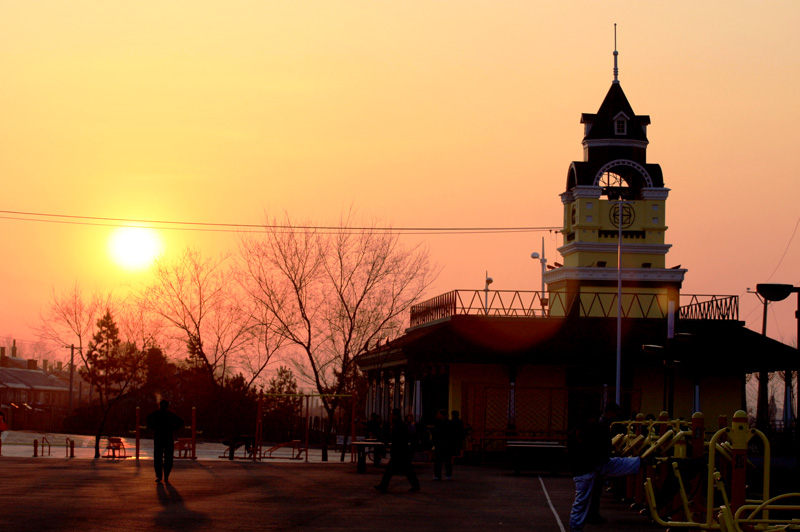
330 294
113 368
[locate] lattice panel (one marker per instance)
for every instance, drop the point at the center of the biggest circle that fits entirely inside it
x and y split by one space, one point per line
541 410
496 409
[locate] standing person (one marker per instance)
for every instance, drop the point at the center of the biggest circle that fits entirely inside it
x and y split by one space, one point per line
590 454
163 423
456 432
442 446
413 435
400 458
3 427
373 426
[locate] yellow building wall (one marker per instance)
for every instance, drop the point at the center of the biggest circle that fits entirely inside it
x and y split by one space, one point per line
484 373
718 395
542 376
651 383
528 376
591 215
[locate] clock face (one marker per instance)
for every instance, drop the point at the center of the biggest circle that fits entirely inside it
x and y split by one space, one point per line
628 215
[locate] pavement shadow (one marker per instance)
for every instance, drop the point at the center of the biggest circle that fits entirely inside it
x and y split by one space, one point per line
174 514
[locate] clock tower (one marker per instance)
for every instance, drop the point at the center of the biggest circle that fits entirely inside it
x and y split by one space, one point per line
614 221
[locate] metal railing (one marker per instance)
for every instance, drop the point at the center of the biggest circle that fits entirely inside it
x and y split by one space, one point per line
709 307
532 304
508 303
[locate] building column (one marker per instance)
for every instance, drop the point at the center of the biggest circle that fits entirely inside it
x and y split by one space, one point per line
408 394
417 400
369 404
385 411
396 395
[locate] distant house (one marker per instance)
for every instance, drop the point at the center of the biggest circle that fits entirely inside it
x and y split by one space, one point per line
31 398
529 364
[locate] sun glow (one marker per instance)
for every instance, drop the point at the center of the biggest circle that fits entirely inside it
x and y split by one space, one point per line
134 248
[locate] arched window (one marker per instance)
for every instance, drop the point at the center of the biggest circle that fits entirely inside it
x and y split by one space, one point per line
614 186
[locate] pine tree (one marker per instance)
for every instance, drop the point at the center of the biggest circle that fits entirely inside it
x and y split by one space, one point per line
112 367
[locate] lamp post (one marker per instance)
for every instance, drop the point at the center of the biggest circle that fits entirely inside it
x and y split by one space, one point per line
779 292
489 281
71 374
543 262
620 203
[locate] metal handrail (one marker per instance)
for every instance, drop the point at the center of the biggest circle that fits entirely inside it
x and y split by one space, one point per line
710 307
534 304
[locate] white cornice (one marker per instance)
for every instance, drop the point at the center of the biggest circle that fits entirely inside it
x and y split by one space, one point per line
586 191
611 247
614 142
566 273
655 193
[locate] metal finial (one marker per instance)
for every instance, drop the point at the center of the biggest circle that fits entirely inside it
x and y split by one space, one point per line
616 70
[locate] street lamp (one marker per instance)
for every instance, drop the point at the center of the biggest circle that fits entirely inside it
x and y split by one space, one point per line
543 262
489 281
779 292
71 373
620 203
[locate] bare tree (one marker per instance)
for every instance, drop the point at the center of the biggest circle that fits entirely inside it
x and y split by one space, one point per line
71 316
331 294
139 326
255 359
197 298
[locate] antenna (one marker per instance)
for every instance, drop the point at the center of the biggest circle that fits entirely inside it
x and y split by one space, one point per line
616 70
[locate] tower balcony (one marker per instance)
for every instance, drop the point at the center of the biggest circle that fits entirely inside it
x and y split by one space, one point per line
585 304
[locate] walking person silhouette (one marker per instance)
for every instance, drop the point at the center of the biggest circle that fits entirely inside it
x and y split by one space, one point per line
163 423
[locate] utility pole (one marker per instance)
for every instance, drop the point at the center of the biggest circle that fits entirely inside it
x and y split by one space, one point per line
71 373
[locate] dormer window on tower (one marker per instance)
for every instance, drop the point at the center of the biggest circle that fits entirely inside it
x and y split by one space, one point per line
621 124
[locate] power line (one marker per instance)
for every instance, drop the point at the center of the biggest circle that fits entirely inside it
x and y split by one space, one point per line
788 245
252 228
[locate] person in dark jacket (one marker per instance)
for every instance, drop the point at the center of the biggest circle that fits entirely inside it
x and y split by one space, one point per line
163 423
590 455
457 433
400 457
442 439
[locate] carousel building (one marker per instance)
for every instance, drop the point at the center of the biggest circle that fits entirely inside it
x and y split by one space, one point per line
611 325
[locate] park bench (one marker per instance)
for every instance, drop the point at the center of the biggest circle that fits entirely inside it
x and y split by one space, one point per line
183 446
296 448
536 453
115 448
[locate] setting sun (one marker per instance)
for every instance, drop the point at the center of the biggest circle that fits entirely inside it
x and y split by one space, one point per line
134 248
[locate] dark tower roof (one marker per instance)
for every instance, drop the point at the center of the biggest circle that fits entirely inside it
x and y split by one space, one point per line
602 124
615 133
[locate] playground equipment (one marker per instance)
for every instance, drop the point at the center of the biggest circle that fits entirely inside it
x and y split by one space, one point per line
250 447
36 444
705 485
69 447
297 447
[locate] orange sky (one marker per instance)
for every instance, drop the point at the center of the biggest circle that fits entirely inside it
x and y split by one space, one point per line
446 113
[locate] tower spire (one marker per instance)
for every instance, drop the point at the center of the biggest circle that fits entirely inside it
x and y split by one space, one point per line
616 70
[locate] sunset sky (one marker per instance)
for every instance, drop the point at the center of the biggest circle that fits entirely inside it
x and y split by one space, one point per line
415 113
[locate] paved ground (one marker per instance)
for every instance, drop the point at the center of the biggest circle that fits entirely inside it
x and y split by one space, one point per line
82 494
